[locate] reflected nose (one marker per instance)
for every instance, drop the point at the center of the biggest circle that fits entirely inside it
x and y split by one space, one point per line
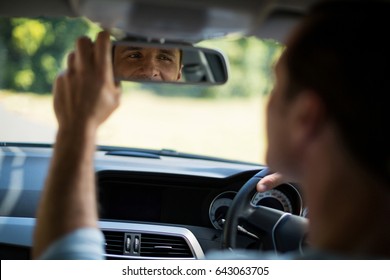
150 70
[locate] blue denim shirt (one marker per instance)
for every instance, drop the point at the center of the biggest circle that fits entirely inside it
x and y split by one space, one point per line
81 244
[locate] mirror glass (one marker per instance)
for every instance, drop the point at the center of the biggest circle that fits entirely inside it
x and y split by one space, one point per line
168 63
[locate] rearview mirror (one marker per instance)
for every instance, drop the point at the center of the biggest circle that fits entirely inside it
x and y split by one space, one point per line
168 63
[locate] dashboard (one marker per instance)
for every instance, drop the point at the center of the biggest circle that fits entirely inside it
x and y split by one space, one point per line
174 199
150 208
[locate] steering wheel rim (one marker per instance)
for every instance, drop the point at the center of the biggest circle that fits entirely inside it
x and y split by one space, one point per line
286 231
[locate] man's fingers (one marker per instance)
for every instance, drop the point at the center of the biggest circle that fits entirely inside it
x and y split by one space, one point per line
71 62
83 53
270 181
102 51
58 93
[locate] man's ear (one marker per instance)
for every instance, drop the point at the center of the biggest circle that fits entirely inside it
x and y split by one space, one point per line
306 119
179 74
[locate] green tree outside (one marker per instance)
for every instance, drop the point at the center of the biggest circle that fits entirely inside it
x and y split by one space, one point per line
33 50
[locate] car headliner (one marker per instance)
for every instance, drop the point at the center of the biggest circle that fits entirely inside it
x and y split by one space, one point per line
262 18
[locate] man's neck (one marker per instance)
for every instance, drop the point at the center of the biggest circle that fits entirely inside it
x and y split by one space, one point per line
349 208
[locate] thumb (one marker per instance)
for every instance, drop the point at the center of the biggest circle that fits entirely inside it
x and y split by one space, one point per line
270 181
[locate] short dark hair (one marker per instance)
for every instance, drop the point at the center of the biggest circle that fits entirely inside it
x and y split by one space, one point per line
339 52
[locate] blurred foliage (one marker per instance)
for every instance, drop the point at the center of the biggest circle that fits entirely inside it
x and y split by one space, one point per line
33 51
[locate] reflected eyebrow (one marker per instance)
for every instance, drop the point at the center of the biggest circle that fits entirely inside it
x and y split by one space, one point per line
132 49
168 52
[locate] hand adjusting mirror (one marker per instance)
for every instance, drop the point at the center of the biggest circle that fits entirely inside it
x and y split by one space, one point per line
168 63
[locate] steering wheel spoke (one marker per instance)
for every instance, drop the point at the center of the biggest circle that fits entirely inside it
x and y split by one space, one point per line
263 218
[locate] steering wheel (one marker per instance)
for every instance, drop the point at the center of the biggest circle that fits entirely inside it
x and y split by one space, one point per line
285 232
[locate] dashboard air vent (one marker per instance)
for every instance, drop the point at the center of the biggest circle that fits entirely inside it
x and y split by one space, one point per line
164 246
114 242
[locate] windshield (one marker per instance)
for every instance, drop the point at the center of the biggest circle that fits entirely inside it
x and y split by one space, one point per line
221 121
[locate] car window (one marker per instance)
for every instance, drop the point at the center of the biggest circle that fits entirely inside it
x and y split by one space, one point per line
224 121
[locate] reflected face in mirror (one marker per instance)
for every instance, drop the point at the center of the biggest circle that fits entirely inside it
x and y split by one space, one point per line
147 64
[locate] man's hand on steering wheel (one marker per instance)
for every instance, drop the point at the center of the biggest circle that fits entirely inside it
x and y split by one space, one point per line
271 181
284 232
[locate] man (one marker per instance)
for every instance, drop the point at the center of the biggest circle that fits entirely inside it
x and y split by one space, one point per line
147 64
327 120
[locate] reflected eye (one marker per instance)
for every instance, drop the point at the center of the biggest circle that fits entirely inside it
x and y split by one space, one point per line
164 57
134 55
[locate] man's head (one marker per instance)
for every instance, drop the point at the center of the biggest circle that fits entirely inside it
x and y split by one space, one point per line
155 64
334 71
